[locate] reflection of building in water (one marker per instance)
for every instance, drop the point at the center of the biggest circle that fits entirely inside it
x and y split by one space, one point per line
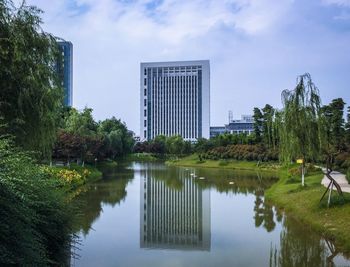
172 218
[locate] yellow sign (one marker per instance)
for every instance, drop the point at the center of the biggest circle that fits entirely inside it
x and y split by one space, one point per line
300 161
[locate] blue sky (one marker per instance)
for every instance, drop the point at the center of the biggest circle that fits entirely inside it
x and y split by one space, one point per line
256 48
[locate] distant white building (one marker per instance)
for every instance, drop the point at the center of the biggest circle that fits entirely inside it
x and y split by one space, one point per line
175 99
244 125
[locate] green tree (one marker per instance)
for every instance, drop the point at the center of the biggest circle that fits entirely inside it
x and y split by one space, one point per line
159 144
81 123
300 133
258 124
335 121
175 145
347 127
30 95
267 125
118 139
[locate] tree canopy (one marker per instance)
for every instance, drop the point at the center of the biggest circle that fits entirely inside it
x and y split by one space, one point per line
300 133
30 95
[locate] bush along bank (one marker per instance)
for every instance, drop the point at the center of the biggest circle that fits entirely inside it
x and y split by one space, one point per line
72 179
242 152
36 222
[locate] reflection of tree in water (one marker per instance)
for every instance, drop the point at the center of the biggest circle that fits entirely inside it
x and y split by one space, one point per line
301 247
237 182
172 177
244 182
111 190
264 214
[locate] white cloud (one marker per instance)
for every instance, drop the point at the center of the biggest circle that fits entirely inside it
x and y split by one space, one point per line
343 16
345 3
242 38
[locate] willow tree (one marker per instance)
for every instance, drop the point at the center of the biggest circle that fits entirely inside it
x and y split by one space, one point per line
30 94
300 133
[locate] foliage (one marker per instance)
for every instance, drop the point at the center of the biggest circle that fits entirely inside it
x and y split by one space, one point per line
68 178
242 152
118 140
347 127
161 145
71 146
300 128
332 130
30 95
81 138
258 124
35 222
141 157
80 123
268 114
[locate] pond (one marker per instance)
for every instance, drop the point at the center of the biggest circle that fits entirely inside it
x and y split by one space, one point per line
148 214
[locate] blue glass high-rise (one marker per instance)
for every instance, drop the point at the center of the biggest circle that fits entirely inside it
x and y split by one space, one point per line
65 70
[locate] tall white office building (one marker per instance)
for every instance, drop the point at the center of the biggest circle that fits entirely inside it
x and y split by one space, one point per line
175 99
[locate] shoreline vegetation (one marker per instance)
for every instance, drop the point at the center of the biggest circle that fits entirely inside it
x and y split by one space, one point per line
302 203
193 161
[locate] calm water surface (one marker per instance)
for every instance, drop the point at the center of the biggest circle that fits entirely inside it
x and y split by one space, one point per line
147 214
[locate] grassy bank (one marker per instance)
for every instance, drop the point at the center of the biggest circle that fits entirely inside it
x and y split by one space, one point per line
141 157
301 203
304 205
193 161
72 180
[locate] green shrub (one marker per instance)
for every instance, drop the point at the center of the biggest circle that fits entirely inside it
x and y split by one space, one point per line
35 221
242 152
223 163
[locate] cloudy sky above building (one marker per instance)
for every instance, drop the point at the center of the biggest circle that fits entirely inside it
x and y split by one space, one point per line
256 48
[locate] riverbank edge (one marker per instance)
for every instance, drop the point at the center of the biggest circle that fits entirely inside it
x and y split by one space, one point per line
300 203
94 176
303 204
192 161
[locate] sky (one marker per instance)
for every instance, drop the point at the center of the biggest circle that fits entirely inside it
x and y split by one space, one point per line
256 48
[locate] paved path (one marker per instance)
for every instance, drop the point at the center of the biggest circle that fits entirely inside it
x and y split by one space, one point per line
339 178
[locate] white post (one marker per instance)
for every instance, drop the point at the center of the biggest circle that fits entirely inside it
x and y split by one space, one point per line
302 175
330 193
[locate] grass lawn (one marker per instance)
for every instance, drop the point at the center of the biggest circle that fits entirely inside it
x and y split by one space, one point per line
304 205
141 157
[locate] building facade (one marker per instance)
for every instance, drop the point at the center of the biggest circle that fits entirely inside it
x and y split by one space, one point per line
175 99
65 70
244 125
173 218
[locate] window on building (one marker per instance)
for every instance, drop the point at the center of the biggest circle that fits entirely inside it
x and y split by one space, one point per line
144 134
145 81
144 123
145 113
145 72
145 91
144 102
